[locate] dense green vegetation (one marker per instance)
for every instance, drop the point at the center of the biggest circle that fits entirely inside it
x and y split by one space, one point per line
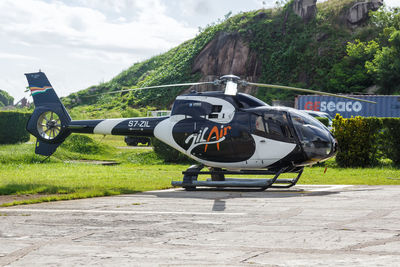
324 53
5 99
12 126
365 141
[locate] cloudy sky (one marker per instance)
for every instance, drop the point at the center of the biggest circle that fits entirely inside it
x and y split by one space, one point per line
79 43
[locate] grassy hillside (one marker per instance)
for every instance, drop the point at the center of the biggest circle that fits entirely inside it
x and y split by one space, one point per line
324 54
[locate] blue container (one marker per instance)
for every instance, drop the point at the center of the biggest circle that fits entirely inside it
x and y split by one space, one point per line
386 105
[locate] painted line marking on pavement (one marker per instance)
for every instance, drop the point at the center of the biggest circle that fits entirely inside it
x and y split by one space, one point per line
121 212
326 187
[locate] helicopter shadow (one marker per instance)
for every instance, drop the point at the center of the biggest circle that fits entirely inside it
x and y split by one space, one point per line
221 195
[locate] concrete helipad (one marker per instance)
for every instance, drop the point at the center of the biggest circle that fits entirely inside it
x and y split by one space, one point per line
302 226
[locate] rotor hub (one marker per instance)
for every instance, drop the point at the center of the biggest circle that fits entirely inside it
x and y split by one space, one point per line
230 77
51 124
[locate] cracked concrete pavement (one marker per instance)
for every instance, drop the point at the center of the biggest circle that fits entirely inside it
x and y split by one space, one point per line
302 226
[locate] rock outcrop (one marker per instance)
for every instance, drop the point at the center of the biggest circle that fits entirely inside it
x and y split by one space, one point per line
358 13
305 8
227 54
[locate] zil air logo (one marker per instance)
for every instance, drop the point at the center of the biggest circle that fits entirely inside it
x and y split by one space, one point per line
215 136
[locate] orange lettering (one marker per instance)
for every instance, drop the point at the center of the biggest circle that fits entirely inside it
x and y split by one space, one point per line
218 135
216 132
226 129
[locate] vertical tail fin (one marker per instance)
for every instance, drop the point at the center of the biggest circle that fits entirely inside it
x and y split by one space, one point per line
50 119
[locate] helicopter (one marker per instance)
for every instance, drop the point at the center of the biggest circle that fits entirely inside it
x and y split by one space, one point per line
229 132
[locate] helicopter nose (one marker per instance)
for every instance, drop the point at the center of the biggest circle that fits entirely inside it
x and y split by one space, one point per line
320 146
325 148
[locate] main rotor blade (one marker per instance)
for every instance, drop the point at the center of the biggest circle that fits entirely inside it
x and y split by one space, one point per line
157 86
307 91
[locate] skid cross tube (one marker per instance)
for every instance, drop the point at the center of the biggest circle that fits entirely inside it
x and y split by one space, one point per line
290 182
191 174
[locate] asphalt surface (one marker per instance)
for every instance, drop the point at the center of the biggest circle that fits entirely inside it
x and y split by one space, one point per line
301 226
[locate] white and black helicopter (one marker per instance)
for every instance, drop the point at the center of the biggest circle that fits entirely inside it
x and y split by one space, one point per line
227 131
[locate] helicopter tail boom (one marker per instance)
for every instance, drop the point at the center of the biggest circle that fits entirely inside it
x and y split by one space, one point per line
124 126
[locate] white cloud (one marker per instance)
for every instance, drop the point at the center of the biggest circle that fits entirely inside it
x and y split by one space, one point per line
392 3
81 42
16 56
54 23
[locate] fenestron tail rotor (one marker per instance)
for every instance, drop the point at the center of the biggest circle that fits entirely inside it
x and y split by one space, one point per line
49 125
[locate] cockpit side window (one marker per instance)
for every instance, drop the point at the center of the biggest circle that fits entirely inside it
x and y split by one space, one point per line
277 125
260 129
274 125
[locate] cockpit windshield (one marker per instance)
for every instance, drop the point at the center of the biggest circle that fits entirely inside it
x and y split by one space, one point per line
304 118
314 136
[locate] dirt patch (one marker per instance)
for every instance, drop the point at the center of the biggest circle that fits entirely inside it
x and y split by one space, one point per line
12 198
135 147
94 162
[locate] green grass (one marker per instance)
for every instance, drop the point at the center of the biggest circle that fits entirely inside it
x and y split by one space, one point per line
80 180
111 140
22 173
352 176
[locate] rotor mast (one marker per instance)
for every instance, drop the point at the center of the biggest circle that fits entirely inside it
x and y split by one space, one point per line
231 83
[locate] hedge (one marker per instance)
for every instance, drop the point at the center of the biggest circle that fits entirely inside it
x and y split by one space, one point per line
364 140
12 127
390 139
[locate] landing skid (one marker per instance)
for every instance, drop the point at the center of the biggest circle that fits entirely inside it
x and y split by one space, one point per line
218 178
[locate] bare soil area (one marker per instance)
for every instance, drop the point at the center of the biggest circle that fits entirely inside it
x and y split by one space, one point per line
12 198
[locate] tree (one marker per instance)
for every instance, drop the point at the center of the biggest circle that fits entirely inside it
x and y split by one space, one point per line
386 65
5 99
350 74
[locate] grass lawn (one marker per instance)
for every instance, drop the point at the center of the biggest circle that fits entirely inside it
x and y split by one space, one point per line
365 176
81 180
22 173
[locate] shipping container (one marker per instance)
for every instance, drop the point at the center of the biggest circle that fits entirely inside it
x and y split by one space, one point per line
386 105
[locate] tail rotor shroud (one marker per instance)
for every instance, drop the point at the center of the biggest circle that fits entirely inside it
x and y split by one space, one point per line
49 125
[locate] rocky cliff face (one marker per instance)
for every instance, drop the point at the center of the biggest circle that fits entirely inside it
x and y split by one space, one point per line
358 13
228 53
305 8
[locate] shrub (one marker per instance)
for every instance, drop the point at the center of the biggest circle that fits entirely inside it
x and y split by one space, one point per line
84 144
167 153
358 140
391 140
12 127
